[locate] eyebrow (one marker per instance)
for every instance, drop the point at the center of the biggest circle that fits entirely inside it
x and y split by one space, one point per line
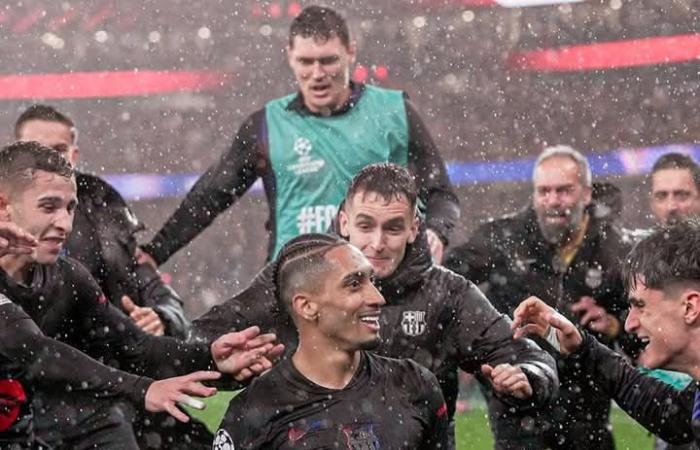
358 274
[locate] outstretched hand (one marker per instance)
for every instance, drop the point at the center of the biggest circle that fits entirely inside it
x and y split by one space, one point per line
246 353
533 316
144 317
164 395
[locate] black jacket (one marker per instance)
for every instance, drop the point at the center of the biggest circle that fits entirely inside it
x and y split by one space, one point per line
103 239
432 315
248 159
511 255
656 405
64 303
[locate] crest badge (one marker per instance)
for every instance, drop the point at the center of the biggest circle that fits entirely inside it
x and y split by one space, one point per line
594 277
223 441
413 323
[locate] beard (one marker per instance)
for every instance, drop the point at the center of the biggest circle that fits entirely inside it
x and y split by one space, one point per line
555 233
370 345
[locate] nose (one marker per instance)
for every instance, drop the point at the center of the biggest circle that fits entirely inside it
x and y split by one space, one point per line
317 71
63 221
632 321
377 241
374 297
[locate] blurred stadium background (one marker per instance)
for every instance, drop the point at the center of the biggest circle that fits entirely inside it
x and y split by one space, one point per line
159 88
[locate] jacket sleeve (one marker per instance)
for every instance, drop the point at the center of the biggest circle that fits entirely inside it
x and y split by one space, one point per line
217 189
482 335
163 299
656 405
255 305
52 363
108 331
476 258
435 189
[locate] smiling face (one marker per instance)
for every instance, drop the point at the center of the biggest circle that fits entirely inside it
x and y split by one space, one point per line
348 305
45 207
322 70
560 198
660 320
380 228
674 195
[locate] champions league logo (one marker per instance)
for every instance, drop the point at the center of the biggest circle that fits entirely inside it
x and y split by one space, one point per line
413 323
302 146
223 441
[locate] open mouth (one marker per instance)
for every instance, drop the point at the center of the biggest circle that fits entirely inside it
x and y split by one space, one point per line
644 341
320 89
370 320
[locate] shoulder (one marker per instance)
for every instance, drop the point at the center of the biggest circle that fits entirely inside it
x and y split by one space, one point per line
95 187
402 372
74 274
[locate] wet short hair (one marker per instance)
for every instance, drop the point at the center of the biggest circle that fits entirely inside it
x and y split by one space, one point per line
676 161
584 168
321 24
668 257
391 181
46 113
302 263
20 161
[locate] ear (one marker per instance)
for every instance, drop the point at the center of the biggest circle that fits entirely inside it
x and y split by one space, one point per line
344 223
352 53
587 194
691 300
4 206
289 55
75 156
304 307
415 226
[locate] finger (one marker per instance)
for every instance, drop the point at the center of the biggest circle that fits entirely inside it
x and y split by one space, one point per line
511 381
521 390
128 304
560 322
528 329
174 411
499 369
198 389
486 370
275 352
243 375
505 375
591 314
186 400
203 375
154 327
148 320
261 340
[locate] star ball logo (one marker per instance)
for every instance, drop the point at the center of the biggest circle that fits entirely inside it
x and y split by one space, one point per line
302 146
223 441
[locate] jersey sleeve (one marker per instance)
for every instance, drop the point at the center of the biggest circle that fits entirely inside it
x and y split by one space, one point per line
243 427
481 335
217 189
108 331
435 189
53 364
656 405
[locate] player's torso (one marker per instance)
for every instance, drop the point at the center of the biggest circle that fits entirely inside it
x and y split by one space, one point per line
314 158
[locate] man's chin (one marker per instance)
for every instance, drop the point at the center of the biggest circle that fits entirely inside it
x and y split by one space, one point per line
371 344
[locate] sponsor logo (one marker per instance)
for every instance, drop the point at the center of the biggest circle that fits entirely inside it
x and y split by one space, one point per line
316 219
413 323
223 441
361 438
306 163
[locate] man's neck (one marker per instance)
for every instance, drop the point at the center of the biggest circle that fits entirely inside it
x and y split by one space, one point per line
324 364
16 267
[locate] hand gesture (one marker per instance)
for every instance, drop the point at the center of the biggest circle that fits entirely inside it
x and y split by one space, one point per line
145 318
508 380
596 317
246 353
14 240
437 248
163 395
533 316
